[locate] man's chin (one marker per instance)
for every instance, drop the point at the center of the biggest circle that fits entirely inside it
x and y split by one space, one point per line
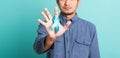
68 13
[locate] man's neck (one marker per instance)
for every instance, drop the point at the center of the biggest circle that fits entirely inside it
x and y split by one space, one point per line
69 16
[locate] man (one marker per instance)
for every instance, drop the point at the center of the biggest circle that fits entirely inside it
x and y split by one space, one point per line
76 37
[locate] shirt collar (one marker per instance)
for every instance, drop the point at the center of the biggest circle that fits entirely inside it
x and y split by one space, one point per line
63 19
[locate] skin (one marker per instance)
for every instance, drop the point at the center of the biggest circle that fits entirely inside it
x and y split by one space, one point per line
68 9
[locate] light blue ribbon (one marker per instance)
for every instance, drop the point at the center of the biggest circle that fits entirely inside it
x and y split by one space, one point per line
56 22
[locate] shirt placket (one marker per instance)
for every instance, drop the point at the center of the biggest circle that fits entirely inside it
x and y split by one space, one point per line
67 43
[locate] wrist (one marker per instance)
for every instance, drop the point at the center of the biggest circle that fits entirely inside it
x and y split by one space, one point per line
51 39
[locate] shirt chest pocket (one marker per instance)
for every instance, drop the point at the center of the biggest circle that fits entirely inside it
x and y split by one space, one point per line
83 41
81 48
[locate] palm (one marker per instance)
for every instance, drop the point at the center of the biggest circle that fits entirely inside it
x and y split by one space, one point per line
48 25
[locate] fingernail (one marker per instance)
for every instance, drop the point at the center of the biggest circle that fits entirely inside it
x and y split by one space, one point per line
69 22
42 12
56 7
45 8
38 19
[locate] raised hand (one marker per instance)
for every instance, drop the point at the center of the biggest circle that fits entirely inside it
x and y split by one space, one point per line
48 23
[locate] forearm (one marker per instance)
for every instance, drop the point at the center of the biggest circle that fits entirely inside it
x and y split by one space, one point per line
48 43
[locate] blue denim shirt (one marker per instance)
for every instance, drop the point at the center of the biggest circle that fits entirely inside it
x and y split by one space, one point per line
79 41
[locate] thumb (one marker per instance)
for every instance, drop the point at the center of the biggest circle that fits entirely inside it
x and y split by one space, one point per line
67 25
63 29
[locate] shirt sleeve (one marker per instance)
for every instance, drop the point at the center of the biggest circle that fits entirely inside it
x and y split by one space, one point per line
40 39
94 47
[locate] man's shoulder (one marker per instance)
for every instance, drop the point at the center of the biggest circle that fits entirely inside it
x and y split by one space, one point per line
86 23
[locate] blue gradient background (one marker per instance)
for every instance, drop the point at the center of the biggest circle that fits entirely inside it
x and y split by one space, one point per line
18 25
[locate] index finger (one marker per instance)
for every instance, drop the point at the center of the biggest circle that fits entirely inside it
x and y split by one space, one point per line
48 13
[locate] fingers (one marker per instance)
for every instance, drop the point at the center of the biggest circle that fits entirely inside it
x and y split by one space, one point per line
48 13
56 12
45 16
40 21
